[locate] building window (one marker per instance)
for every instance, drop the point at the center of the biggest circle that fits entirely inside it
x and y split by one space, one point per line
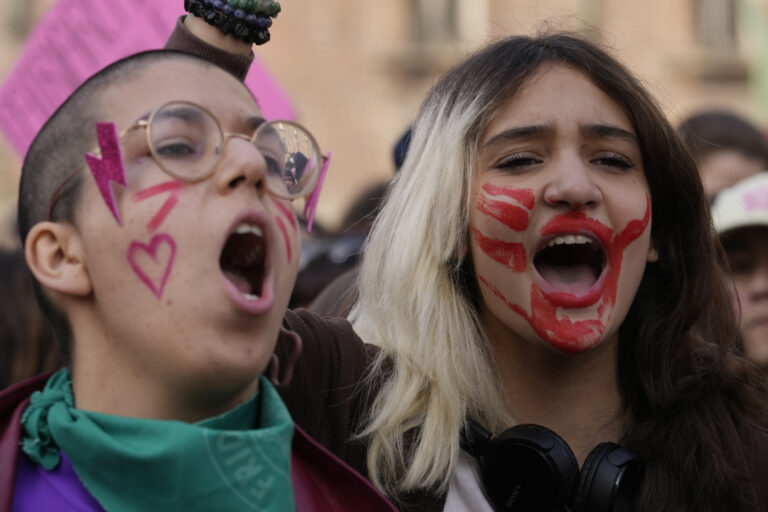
716 24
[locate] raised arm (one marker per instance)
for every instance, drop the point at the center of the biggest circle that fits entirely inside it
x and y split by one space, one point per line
215 40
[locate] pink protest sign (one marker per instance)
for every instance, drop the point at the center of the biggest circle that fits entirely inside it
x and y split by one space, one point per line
76 38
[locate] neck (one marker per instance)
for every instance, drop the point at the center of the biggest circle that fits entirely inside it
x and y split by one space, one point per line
575 395
107 380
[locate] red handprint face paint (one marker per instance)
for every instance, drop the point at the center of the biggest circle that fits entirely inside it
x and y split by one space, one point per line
494 203
560 217
548 295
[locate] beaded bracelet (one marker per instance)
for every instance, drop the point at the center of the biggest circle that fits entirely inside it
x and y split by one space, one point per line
263 7
251 27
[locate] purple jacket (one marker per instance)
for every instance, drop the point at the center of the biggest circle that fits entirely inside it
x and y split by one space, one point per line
321 481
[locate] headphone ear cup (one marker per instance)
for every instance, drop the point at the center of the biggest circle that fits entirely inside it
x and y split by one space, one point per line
529 467
608 480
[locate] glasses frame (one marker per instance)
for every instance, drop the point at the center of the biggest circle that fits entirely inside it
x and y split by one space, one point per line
225 136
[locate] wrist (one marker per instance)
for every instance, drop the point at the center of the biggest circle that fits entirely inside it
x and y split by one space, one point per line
246 20
213 36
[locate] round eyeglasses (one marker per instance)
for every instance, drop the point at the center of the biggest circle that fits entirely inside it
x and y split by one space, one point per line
187 142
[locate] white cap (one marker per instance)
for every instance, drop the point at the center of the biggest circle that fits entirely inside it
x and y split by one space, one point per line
744 204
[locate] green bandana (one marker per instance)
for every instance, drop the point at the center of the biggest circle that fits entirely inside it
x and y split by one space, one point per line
131 464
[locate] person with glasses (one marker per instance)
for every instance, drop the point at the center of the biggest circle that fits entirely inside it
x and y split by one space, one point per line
155 209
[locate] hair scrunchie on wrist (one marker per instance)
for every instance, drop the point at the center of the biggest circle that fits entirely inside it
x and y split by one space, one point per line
247 20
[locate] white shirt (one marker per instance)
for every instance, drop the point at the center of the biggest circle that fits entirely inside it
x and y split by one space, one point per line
465 492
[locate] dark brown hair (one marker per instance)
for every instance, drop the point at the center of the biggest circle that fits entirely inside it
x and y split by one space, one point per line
714 130
27 346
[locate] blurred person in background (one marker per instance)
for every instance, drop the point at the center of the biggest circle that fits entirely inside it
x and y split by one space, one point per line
727 148
344 249
741 219
27 346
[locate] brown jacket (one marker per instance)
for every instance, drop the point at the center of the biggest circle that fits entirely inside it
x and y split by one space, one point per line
330 391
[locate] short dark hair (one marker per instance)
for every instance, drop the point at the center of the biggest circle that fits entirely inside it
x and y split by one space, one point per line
709 131
58 149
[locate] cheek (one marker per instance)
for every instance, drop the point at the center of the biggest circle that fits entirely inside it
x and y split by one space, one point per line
289 230
498 215
151 252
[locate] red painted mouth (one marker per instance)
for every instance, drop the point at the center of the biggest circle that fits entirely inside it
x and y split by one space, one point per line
571 263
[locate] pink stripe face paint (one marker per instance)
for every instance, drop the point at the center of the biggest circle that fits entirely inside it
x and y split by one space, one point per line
152 262
172 188
284 231
289 215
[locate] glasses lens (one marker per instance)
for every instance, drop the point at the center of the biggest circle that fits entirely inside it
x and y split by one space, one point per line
186 140
292 156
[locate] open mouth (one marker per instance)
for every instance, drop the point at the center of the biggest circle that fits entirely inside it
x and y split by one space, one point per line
570 263
243 260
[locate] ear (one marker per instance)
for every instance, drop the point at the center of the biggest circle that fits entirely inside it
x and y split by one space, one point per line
54 253
653 254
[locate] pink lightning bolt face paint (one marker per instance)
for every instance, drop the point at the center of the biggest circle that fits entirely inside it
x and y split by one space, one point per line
560 216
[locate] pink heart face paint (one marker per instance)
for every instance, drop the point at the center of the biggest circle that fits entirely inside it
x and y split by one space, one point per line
152 262
560 215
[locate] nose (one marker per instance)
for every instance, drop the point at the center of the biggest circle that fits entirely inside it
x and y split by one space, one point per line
758 281
241 165
571 184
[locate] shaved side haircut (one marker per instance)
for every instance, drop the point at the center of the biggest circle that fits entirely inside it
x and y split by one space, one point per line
59 149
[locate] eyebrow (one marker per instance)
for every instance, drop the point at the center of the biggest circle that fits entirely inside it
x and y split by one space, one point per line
184 112
522 132
608 131
252 123
597 130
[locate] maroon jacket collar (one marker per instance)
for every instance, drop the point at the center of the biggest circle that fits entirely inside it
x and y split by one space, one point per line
13 401
321 481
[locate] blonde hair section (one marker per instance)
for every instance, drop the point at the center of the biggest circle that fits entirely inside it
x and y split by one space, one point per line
434 354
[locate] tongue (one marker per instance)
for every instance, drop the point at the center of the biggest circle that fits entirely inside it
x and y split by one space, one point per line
239 281
576 278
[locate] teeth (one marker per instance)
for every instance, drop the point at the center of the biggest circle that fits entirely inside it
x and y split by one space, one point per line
244 228
250 296
569 240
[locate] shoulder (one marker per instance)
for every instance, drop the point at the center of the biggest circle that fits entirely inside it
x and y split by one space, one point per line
330 390
329 337
13 396
13 401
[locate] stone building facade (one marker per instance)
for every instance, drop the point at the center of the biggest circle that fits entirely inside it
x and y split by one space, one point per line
358 70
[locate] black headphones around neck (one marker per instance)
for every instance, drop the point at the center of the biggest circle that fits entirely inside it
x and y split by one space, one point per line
531 468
